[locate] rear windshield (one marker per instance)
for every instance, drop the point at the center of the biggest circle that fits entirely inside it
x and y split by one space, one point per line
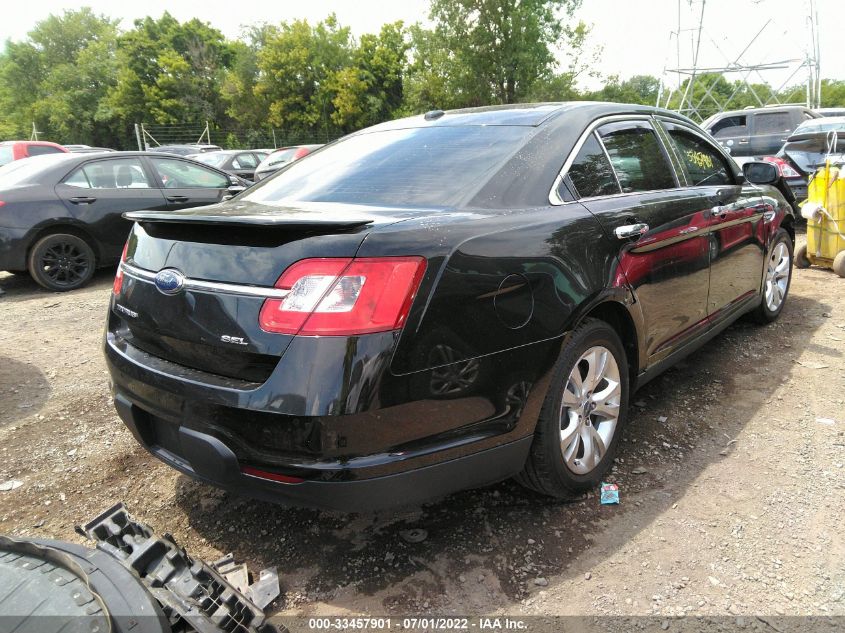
820 125
212 159
418 167
5 154
24 170
279 158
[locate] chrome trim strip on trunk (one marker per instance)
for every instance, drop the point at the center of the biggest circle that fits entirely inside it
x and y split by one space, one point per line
211 287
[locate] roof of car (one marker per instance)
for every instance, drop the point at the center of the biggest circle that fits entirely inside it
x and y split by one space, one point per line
525 114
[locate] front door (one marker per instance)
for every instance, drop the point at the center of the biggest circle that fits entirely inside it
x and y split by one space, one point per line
736 233
186 184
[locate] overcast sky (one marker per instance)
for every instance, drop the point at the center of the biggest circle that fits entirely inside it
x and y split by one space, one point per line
634 34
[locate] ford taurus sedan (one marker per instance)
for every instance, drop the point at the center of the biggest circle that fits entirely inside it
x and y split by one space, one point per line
440 302
60 215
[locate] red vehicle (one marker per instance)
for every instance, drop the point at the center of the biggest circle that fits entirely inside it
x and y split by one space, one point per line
15 150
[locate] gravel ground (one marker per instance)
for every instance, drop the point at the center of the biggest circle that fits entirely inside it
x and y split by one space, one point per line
731 478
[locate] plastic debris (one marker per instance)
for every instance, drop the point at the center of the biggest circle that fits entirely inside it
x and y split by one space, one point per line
10 485
414 535
609 494
826 421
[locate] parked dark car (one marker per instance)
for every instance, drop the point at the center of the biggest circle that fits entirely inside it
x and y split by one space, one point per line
60 215
756 131
806 150
831 111
439 302
281 157
15 150
241 163
184 150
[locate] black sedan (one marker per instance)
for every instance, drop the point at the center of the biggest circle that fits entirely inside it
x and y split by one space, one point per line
440 302
239 162
60 215
806 150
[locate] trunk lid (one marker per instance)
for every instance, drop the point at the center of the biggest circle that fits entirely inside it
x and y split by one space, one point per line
230 256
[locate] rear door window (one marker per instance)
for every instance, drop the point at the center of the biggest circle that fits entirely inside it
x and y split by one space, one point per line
121 173
637 156
703 163
730 126
244 161
6 154
591 173
40 150
772 123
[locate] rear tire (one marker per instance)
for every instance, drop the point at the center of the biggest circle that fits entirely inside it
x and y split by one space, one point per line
839 264
61 262
801 260
778 279
581 421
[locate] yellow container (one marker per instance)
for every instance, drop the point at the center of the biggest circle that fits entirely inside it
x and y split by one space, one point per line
826 227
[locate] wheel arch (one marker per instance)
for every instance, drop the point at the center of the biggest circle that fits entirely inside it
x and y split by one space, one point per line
617 316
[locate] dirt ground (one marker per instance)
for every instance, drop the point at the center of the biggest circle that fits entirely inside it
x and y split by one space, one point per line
731 477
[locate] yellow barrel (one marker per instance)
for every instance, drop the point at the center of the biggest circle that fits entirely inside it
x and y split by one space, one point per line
825 231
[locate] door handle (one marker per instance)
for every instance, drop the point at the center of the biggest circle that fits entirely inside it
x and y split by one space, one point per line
177 198
82 200
629 231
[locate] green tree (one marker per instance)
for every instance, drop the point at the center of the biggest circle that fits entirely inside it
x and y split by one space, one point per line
371 89
170 72
641 89
501 48
296 66
58 78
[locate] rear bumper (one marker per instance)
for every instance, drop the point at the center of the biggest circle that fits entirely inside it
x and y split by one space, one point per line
207 459
393 451
13 247
798 186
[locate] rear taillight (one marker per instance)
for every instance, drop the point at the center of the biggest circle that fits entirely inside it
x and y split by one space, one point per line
2 203
344 297
118 277
786 170
302 151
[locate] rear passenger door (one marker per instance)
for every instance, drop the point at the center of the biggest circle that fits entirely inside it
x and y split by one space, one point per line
770 131
188 184
734 216
623 175
99 191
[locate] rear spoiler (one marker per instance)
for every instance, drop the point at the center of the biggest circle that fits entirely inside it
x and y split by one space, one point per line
297 220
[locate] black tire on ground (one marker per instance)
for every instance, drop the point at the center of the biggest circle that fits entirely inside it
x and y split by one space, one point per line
546 470
763 314
839 264
801 260
61 261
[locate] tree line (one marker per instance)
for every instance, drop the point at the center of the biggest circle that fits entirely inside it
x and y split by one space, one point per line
79 78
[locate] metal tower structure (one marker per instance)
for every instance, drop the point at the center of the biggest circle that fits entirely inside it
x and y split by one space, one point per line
765 59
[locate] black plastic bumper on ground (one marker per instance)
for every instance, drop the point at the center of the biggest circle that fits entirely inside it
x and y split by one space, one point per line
208 459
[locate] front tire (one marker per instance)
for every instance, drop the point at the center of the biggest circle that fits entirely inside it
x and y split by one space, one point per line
581 421
61 262
777 280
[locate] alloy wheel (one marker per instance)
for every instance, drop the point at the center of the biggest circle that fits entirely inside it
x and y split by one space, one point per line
590 408
64 264
777 276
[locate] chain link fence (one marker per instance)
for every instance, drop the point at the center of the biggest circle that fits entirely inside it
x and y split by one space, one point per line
228 137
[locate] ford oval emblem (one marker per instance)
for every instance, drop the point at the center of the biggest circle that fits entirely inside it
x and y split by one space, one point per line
169 281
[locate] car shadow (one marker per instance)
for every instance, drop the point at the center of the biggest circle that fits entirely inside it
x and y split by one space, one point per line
21 287
24 389
504 535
